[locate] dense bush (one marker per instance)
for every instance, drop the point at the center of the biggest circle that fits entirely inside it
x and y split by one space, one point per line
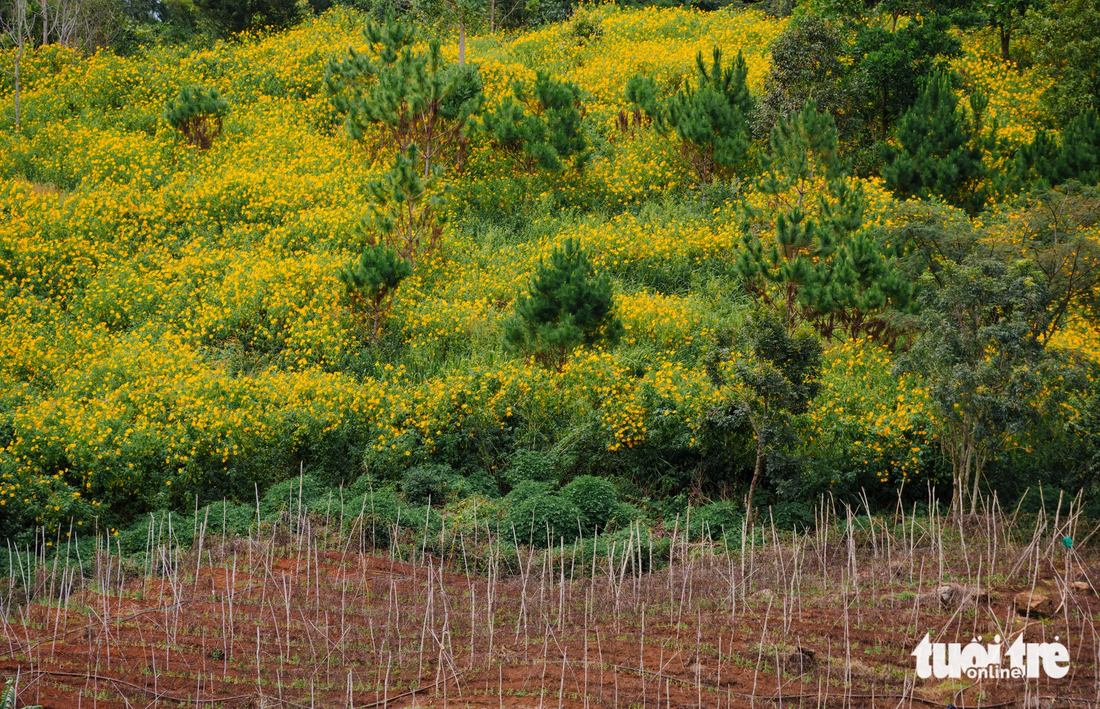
595 498
542 518
426 484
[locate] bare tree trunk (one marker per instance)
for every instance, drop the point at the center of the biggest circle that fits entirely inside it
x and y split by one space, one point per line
18 61
45 23
15 27
979 466
492 16
1006 34
749 510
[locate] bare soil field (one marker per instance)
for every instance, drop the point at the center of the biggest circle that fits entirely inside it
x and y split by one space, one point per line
298 615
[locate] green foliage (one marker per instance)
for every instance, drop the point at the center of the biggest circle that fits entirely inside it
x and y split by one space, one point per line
776 377
412 97
8 697
536 466
978 352
595 497
378 506
371 282
806 65
197 113
539 126
710 115
818 267
567 306
235 16
586 26
780 367
290 494
940 153
718 520
1066 40
892 65
430 482
1057 234
795 515
405 209
1049 162
1006 16
541 518
642 93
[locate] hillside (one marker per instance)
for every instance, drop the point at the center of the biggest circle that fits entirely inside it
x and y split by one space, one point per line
173 331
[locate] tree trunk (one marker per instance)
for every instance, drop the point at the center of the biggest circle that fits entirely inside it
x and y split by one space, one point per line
749 510
45 24
979 466
17 61
492 16
1006 34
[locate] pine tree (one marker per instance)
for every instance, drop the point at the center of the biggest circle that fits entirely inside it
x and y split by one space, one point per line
405 209
856 291
424 111
567 306
1048 162
710 115
815 265
540 124
940 153
371 282
412 97
197 113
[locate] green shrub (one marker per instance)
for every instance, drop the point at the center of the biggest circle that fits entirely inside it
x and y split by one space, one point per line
291 495
566 306
540 517
530 465
793 515
379 508
718 520
428 483
586 26
596 498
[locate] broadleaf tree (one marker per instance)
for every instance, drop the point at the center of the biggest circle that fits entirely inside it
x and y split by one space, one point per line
806 63
773 379
892 64
981 361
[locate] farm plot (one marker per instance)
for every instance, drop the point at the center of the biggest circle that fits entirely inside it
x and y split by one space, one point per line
304 614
